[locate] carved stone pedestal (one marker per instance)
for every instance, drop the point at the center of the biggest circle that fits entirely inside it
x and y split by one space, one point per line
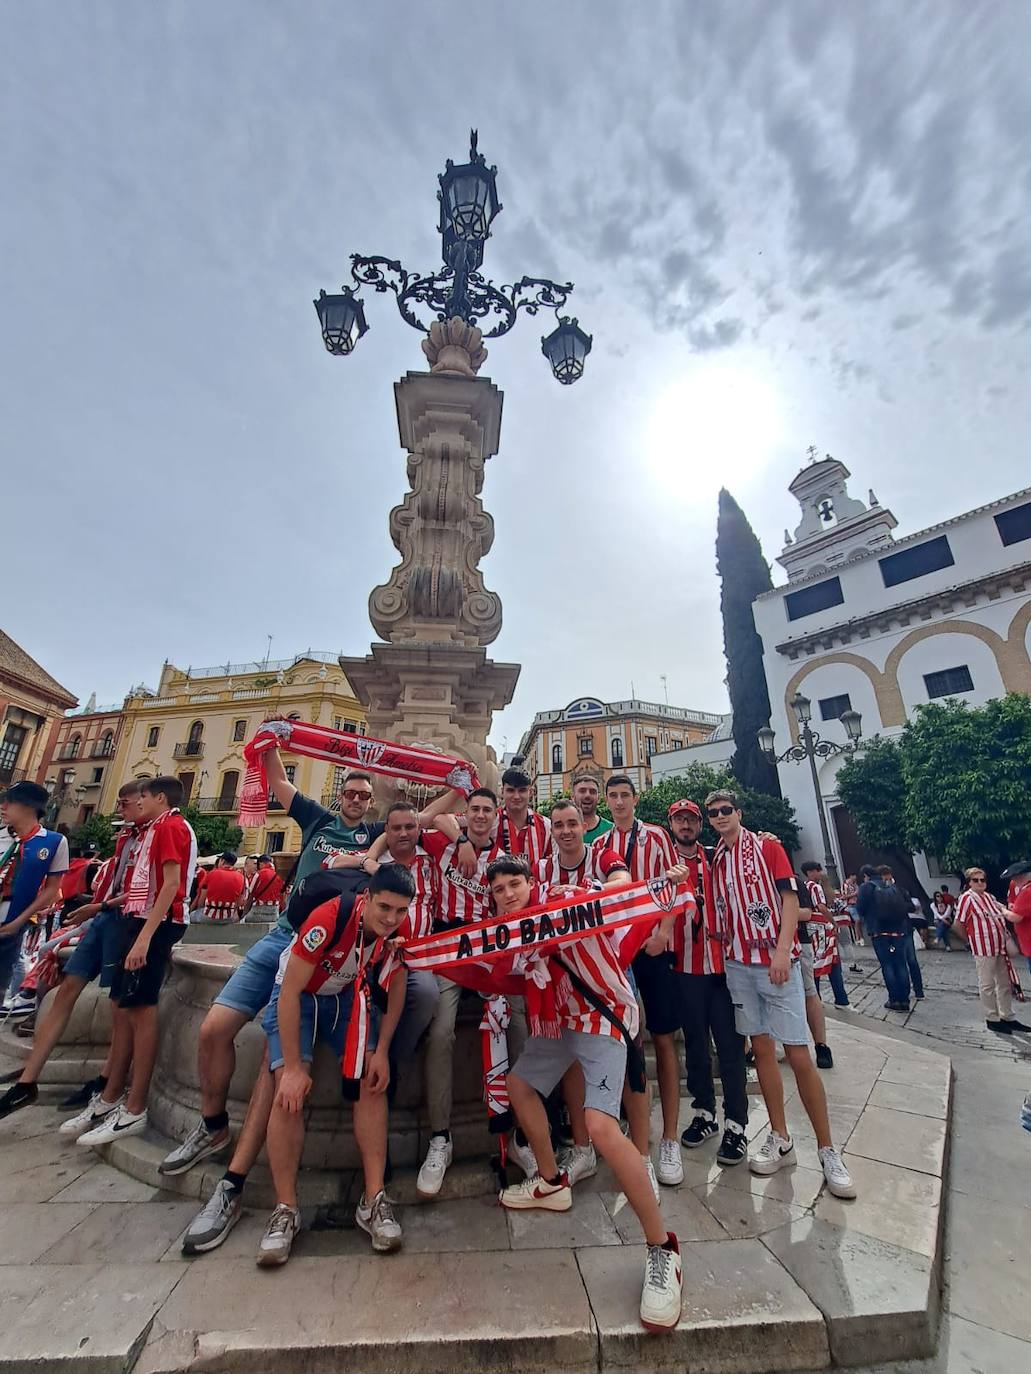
431 683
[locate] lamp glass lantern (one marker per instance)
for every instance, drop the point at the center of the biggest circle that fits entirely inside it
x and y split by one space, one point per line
853 723
802 707
468 198
566 348
342 320
765 737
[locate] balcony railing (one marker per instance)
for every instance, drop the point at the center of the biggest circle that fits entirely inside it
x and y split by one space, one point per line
66 753
219 805
192 749
103 751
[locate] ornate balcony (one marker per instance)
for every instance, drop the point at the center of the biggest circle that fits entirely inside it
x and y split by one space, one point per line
192 749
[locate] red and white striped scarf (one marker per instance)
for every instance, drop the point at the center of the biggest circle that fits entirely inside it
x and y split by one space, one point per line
143 884
748 910
497 1013
340 748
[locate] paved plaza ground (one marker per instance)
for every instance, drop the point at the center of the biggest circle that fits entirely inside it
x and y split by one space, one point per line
93 1279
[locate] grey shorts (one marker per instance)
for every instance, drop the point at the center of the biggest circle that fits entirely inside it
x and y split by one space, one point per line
765 1008
805 963
602 1058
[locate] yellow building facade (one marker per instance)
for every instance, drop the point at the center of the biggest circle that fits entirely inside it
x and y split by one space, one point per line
196 724
32 704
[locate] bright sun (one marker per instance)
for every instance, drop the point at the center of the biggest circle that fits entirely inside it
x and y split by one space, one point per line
718 425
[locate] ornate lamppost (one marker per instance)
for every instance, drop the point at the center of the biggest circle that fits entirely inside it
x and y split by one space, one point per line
468 200
813 747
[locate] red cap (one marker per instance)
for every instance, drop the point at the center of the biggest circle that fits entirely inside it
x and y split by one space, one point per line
685 805
610 862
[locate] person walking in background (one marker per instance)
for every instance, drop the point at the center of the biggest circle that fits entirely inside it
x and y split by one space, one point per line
823 935
884 913
908 947
983 919
850 895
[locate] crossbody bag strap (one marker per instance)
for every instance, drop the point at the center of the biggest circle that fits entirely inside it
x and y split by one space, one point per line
636 1075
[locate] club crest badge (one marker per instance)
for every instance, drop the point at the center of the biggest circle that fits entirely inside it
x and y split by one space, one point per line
281 729
369 751
663 893
460 778
759 914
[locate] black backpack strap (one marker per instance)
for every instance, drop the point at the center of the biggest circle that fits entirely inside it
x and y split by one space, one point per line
636 1075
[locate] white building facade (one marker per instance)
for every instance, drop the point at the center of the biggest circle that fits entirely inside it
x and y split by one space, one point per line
881 625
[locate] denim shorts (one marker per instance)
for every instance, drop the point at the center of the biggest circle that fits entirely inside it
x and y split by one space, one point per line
250 987
97 953
322 1018
764 1008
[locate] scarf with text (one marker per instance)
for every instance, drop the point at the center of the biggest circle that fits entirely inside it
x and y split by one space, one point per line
342 749
143 883
740 871
512 954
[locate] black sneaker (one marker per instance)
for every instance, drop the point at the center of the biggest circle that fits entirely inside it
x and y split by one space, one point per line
733 1147
824 1058
83 1096
1000 1027
701 1129
1015 1025
18 1095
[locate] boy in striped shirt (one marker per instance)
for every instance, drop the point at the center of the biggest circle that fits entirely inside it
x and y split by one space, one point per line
755 892
593 1040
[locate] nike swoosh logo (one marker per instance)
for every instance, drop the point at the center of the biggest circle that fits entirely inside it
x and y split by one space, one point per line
117 1127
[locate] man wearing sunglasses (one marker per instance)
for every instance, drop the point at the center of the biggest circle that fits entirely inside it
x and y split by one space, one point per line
755 894
342 837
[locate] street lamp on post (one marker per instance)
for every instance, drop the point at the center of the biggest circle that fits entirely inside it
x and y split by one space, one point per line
813 747
468 200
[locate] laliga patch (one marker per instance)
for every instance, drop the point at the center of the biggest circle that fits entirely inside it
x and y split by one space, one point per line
313 938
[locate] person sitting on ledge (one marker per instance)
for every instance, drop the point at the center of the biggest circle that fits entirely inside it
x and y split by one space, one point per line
320 990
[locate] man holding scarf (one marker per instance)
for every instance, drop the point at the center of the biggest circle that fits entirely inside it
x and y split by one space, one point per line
705 1004
755 893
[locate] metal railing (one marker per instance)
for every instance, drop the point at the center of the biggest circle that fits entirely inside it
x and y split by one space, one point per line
66 753
224 805
192 749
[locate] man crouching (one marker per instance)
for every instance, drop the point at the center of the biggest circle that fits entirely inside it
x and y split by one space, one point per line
598 1016
322 990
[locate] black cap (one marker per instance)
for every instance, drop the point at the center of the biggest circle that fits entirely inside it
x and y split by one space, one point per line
514 777
28 794
1015 870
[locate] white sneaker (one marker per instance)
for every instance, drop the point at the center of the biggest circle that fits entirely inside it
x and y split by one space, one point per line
376 1219
651 1175
115 1126
89 1117
839 1180
663 1285
434 1166
278 1240
533 1194
524 1157
776 1153
671 1166
578 1162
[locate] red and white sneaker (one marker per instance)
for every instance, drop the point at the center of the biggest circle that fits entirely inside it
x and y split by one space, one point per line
535 1194
661 1296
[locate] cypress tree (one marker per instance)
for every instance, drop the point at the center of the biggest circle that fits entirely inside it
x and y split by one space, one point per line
744 573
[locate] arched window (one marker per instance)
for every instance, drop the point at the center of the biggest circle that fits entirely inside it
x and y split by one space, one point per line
617 753
107 744
75 746
196 732
227 790
556 758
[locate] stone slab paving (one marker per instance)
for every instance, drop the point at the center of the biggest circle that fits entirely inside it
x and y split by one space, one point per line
778 1276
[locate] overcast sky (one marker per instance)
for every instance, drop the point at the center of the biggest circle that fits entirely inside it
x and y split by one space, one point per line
788 224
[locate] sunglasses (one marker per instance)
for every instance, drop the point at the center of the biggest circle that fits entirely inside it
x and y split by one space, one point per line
713 811
978 880
352 795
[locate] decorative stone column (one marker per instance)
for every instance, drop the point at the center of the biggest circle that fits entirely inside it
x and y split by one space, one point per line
431 682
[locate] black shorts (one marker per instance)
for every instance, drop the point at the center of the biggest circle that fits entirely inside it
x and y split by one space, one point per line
141 987
657 984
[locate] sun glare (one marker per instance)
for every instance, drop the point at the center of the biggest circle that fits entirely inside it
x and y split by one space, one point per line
719 424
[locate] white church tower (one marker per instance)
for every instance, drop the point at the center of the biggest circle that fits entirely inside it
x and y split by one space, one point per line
835 527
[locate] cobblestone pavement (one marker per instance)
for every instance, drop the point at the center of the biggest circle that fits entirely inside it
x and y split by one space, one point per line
950 1012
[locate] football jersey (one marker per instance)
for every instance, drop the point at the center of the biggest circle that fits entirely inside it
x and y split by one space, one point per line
596 961
983 919
335 963
750 927
697 947
531 840
425 869
551 871
463 899
646 849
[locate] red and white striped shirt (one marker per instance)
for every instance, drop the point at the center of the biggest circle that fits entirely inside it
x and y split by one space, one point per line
461 899
552 872
335 963
532 840
596 961
983 919
746 882
697 947
425 905
646 849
